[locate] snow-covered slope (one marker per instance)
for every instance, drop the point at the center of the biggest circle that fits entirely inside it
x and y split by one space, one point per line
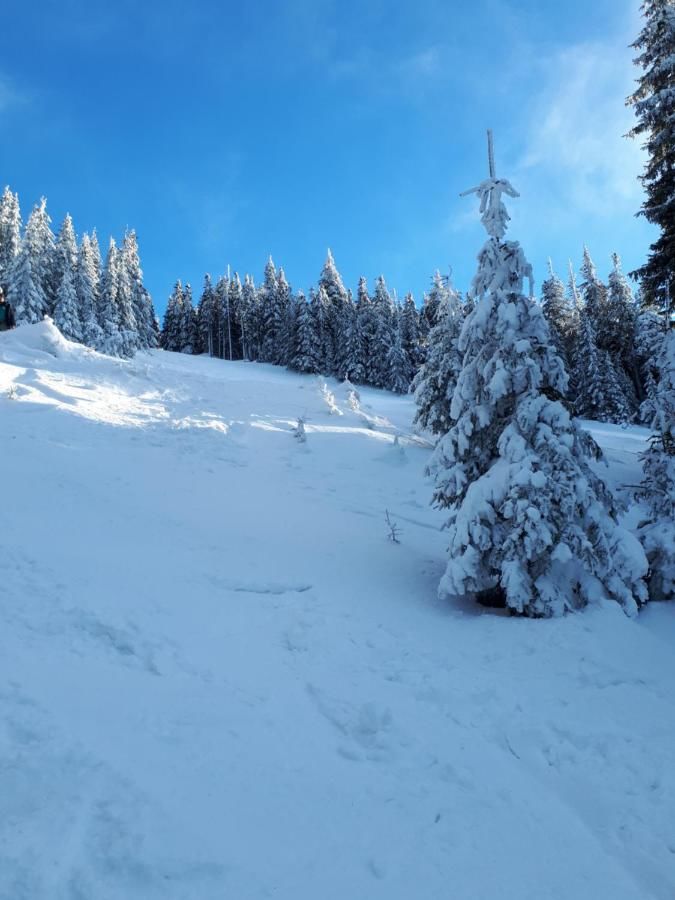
220 679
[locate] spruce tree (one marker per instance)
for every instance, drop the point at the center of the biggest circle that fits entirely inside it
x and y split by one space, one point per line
112 341
398 366
39 243
64 256
267 300
654 105
10 234
303 351
385 316
530 523
87 290
187 323
410 336
250 319
557 311
25 289
66 314
435 383
658 487
206 318
171 335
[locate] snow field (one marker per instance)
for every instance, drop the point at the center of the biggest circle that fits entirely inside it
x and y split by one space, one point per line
221 679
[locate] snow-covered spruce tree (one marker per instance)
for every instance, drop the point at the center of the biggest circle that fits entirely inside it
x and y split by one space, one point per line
434 384
410 336
281 316
250 320
235 298
187 323
39 241
596 386
654 105
304 345
433 303
530 523
64 256
618 333
171 328
649 338
112 341
126 318
385 316
24 289
66 313
205 318
267 296
658 487
557 311
86 290
10 234
365 364
141 302
398 366
335 326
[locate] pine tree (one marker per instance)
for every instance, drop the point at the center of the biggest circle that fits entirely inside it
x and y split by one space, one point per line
530 522
385 313
557 311
619 333
64 256
658 487
66 314
87 290
435 383
207 324
410 337
365 370
654 104
281 319
337 316
236 316
171 336
267 299
126 317
187 323
398 365
141 303
303 351
25 289
434 301
10 234
39 243
649 338
112 341
250 319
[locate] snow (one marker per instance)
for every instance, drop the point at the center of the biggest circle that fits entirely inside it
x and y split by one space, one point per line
221 679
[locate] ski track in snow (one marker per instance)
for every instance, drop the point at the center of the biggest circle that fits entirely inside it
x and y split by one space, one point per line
221 679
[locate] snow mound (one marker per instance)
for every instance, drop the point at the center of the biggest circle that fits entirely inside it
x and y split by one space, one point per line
35 343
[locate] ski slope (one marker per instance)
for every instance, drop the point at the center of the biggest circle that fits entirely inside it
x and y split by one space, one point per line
220 679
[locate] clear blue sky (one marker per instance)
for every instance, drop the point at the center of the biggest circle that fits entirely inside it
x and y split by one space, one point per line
224 132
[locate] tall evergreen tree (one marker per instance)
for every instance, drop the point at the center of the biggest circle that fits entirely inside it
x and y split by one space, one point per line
250 319
25 289
171 335
654 104
87 290
303 356
207 324
267 299
385 313
112 342
557 311
38 240
658 487
529 521
66 313
187 323
10 234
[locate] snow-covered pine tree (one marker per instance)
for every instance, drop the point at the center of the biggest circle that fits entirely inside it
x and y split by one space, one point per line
319 308
126 318
410 337
649 338
618 333
337 316
267 299
365 364
10 234
398 365
187 323
206 318
38 241
597 388
24 289
654 104
529 520
385 314
64 256
66 313
173 317
86 290
433 303
434 384
250 319
141 302
236 316
304 343
281 317
557 311
112 341
658 487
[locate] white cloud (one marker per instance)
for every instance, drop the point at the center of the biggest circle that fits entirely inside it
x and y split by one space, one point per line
576 149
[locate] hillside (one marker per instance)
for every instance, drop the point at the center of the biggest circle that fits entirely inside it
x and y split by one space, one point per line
221 679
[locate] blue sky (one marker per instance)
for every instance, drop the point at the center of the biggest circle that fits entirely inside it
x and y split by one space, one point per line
225 132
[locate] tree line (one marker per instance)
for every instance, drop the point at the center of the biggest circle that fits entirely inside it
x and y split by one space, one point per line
103 304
